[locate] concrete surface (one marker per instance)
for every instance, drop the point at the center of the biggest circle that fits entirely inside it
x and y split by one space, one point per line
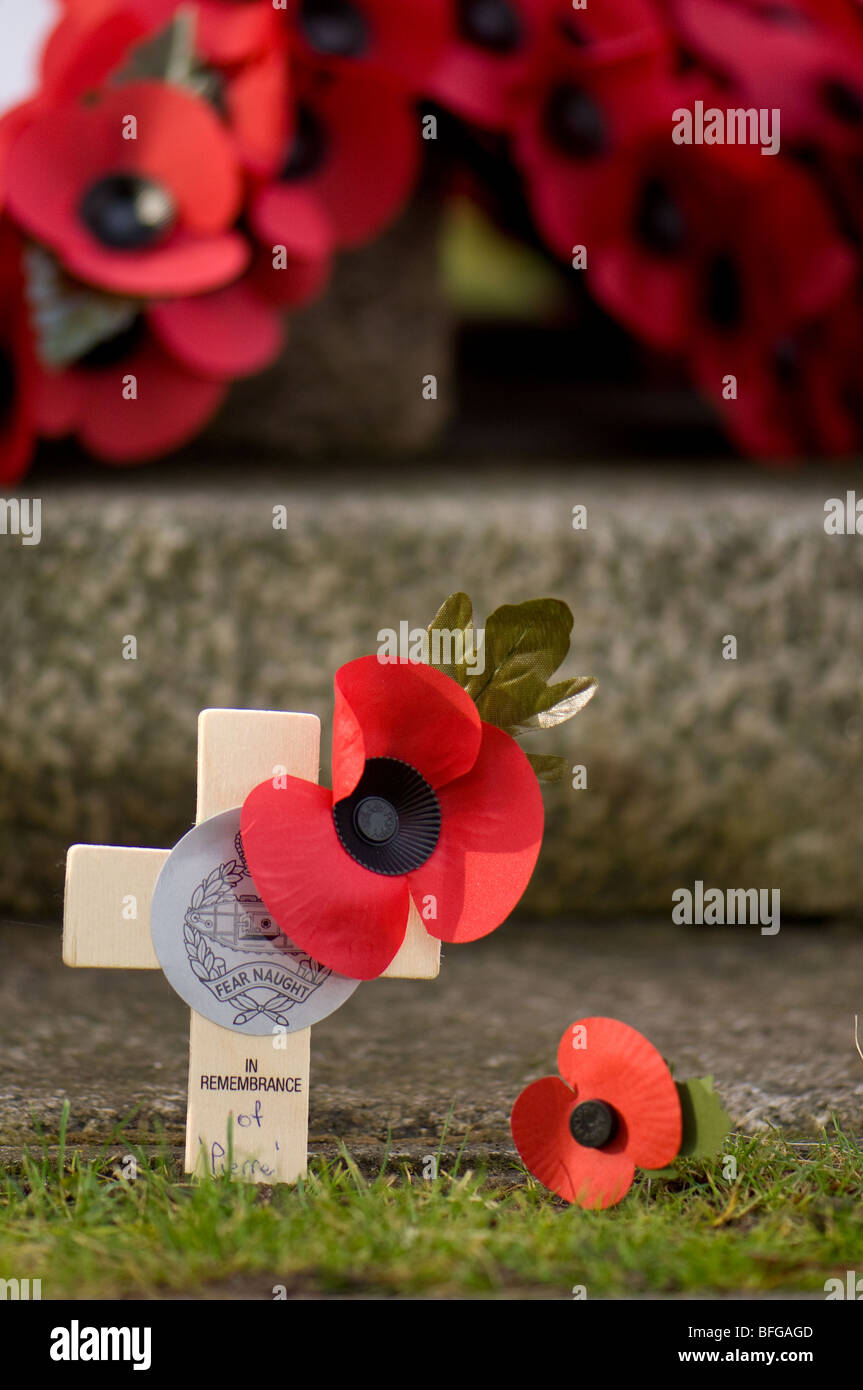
770 1017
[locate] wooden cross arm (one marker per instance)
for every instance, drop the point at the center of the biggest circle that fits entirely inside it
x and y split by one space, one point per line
109 889
106 915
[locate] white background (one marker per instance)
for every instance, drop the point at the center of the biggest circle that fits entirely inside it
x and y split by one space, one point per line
23 25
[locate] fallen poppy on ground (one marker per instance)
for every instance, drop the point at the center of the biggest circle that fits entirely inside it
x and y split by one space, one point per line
615 1107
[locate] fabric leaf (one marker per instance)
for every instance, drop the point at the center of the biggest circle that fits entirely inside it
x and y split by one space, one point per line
705 1120
454 616
549 767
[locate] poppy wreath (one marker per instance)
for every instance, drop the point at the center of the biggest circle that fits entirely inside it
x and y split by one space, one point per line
434 806
614 1107
186 174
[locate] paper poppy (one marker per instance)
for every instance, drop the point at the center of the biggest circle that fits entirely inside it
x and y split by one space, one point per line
394 42
616 1108
233 332
350 162
91 46
171 406
428 803
489 67
708 249
504 52
800 394
781 56
149 216
570 145
227 31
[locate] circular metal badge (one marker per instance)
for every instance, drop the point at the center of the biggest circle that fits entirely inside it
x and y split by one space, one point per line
220 948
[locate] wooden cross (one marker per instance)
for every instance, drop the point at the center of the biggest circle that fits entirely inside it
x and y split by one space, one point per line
237 749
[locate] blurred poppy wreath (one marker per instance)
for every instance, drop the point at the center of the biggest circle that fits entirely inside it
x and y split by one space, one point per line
185 174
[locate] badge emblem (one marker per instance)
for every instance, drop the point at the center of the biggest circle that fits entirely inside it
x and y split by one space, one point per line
222 951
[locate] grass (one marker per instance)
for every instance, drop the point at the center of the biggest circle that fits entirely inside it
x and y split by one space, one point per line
789 1221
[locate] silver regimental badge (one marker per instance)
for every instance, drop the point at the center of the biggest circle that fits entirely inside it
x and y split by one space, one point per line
222 951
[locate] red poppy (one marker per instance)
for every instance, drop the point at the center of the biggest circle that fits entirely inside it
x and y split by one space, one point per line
616 1109
800 394
257 101
182 353
92 398
498 64
148 216
704 248
89 46
17 431
227 333
571 145
400 43
91 40
227 31
428 803
492 64
350 163
781 56
299 276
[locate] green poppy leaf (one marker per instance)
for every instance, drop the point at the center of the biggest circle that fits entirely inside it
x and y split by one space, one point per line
549 767
705 1120
562 702
454 617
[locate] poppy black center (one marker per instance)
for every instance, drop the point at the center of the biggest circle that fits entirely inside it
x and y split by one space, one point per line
575 123
723 295
128 212
308 148
390 823
842 101
659 221
786 362
491 24
334 28
593 1124
7 386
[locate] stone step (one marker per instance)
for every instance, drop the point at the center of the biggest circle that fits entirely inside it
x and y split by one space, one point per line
739 773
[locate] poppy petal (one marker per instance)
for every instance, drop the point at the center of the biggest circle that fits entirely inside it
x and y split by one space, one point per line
592 1178
345 916
186 265
491 832
406 710
227 333
256 98
603 1059
181 145
171 407
290 216
371 156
